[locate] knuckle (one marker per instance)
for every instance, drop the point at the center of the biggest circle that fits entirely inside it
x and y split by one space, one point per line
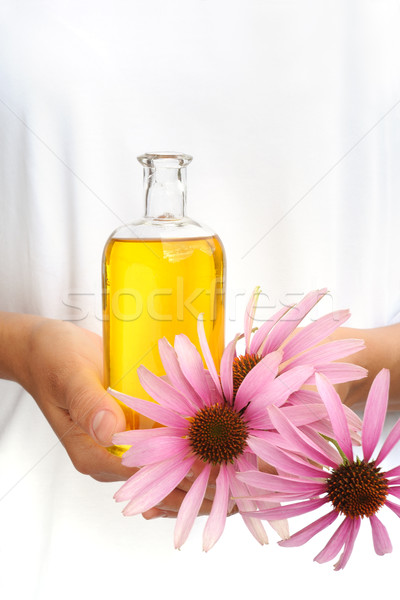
82 468
56 379
101 477
80 465
79 462
79 453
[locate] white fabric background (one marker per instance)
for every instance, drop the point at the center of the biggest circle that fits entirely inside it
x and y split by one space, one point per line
291 111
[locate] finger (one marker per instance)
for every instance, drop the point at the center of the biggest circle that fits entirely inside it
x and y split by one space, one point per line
90 406
266 467
187 483
156 513
86 455
90 459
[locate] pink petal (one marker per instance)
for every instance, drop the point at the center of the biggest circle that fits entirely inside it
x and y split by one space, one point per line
174 372
284 385
192 367
297 440
394 507
282 497
277 483
249 316
305 396
166 395
339 372
289 445
327 353
226 368
151 410
336 413
149 452
279 459
205 348
393 472
216 521
158 487
261 334
231 505
281 526
315 332
308 397
394 490
290 510
298 415
216 393
313 434
136 436
324 427
239 491
190 507
375 413
277 497
256 380
305 534
286 326
353 420
140 480
336 542
349 544
305 414
389 443
249 460
380 536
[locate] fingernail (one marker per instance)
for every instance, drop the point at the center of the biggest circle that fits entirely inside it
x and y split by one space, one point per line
103 426
190 474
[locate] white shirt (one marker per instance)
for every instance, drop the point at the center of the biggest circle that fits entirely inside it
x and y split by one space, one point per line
291 111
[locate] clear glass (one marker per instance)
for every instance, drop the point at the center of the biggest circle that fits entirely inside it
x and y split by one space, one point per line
159 274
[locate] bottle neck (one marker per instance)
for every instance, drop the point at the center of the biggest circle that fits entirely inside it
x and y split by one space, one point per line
165 185
165 193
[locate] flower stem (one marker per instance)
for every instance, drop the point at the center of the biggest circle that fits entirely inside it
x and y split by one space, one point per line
338 448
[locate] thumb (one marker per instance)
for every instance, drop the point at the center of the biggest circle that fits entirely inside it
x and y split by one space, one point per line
94 410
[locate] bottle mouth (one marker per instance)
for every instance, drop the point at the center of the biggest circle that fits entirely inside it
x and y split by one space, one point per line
168 159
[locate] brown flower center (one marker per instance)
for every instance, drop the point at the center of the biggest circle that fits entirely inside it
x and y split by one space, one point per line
241 366
218 434
357 489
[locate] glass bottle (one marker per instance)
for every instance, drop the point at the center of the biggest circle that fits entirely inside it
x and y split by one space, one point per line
159 274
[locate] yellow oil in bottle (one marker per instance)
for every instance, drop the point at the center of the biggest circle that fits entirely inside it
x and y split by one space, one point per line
153 289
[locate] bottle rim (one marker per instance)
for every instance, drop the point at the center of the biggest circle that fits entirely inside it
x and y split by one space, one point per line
168 159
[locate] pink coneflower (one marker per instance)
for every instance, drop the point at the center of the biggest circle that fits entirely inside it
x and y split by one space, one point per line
200 423
352 487
302 347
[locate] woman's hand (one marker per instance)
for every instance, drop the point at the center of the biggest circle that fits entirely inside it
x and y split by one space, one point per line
61 365
382 351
